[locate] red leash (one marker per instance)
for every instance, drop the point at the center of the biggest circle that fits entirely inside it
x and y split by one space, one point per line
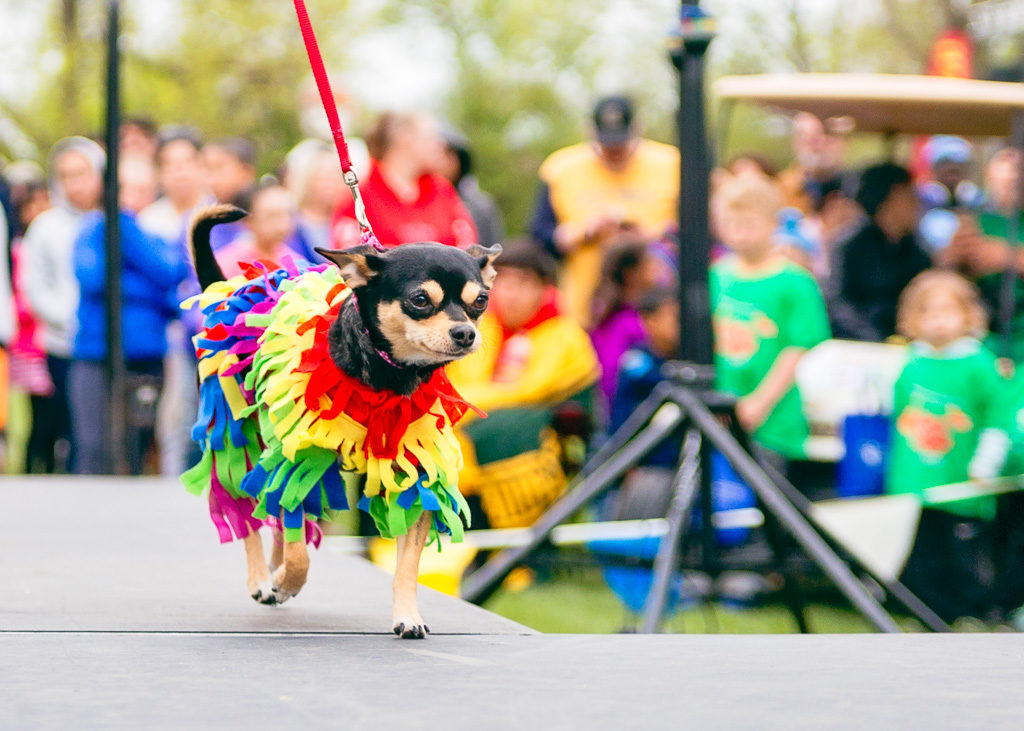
323 85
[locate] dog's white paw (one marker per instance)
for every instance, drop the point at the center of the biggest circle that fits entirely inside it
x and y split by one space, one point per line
267 593
410 628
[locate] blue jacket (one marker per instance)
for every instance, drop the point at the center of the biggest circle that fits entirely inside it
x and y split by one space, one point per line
151 271
639 373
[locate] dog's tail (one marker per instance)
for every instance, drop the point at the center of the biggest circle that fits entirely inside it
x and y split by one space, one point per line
207 269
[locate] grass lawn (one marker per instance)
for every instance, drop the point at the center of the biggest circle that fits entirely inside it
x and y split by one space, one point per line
581 603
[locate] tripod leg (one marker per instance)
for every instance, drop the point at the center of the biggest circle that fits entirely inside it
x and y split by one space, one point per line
788 515
666 563
792 592
485 580
894 589
709 559
629 429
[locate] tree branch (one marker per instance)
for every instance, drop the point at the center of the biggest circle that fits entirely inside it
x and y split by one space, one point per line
799 51
912 41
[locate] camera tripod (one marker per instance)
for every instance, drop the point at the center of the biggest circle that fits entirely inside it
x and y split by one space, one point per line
685 404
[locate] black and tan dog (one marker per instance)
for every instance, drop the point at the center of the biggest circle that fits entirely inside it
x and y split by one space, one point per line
416 309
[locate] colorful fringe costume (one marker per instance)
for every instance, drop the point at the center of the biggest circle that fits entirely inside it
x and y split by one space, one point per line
285 432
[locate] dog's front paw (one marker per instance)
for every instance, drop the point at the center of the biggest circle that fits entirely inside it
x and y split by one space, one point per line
410 628
270 595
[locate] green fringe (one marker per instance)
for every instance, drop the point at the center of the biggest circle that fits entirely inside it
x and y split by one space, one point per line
232 466
393 520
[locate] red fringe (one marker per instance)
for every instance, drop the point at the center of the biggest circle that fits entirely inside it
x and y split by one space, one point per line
385 414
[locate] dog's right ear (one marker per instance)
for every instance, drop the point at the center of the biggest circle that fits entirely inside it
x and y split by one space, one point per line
358 265
485 256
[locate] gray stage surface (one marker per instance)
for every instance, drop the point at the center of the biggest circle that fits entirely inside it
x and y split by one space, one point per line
121 611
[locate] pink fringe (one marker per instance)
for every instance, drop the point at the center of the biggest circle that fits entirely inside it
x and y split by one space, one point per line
232 516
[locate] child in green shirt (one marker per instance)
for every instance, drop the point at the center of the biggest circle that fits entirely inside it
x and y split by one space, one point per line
951 406
767 312
951 416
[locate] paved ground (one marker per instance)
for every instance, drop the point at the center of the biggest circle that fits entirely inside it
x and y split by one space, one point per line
142 555
115 623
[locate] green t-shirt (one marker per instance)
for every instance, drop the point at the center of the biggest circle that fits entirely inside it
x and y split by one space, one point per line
1015 462
997 225
756 316
942 402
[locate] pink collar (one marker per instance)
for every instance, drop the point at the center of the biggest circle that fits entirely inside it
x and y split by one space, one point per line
383 355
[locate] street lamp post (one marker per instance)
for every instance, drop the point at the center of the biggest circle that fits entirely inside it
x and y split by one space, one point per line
696 33
115 369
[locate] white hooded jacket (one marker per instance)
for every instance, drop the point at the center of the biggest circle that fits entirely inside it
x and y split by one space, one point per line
49 255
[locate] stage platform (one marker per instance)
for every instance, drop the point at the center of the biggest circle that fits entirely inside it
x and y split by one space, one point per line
121 610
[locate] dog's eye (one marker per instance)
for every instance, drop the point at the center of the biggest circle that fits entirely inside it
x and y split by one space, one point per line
481 301
420 300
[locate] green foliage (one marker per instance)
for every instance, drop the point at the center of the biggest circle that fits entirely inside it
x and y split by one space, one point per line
780 36
234 67
236 71
526 72
68 98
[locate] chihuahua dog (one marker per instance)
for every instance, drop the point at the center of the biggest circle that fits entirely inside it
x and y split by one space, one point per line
416 309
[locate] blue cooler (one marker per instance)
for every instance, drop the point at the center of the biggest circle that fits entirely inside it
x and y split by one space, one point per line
861 471
729 492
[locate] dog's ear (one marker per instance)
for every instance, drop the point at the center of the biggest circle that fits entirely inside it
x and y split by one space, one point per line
358 265
486 256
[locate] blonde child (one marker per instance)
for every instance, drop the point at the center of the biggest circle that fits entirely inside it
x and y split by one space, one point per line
270 231
950 403
951 415
767 312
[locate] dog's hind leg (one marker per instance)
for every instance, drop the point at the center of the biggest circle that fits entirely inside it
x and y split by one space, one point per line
258 580
277 549
290 576
405 615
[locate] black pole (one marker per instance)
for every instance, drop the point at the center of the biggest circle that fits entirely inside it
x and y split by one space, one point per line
115 375
694 172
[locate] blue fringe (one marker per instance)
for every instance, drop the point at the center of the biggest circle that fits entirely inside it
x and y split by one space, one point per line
407 498
214 419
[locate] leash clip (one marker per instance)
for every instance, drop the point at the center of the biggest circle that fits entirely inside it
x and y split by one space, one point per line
366 234
360 208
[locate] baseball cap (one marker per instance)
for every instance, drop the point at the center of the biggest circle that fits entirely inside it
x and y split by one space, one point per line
946 148
613 120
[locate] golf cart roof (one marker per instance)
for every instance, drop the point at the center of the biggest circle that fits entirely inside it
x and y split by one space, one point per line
887 103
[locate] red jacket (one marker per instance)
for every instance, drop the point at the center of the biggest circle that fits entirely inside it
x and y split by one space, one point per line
437 214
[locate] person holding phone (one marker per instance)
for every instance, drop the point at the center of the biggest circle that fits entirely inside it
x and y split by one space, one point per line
593 193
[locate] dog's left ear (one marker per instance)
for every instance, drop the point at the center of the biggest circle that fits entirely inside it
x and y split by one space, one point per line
358 265
486 256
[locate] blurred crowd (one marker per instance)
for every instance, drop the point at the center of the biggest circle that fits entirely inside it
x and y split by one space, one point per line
52 306
585 309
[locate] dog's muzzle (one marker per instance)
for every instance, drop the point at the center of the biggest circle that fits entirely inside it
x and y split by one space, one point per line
464 336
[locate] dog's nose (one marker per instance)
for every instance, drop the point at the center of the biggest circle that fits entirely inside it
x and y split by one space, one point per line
463 335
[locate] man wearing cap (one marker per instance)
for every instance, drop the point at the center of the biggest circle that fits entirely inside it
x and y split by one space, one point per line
949 159
595 191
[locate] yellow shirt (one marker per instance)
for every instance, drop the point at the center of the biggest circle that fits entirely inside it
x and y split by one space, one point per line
581 186
556 361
